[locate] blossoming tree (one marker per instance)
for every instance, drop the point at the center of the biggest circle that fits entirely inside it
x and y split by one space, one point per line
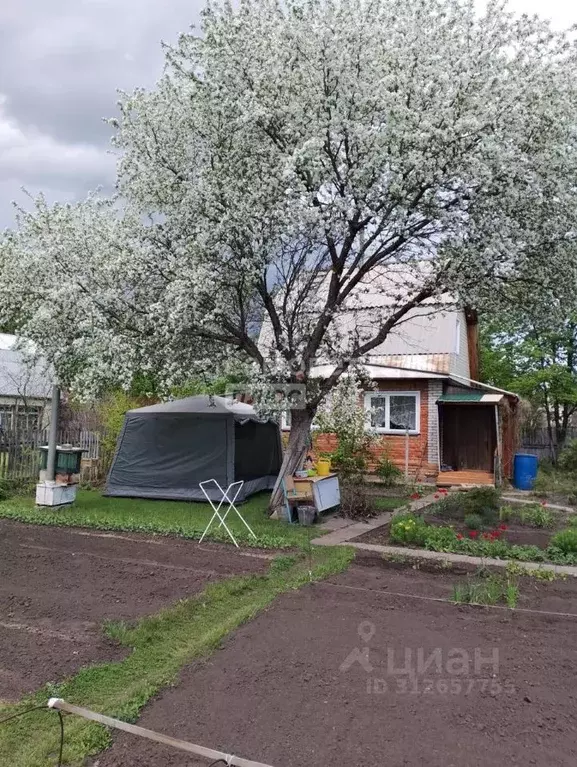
290 156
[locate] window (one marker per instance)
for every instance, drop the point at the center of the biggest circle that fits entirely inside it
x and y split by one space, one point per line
6 416
458 337
285 421
28 418
286 418
393 412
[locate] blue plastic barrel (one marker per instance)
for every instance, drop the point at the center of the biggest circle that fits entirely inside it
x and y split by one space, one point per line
524 471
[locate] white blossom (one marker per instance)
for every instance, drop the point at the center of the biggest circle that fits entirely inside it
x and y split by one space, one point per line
290 153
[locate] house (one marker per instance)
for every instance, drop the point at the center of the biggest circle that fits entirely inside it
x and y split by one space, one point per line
25 389
426 403
426 400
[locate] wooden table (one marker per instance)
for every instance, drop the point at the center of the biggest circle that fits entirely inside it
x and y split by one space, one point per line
324 489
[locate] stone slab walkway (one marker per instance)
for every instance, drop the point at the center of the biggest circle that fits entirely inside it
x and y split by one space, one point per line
532 501
341 533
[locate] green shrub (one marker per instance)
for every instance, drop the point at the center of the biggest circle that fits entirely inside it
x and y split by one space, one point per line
473 521
483 501
4 491
451 506
388 472
112 410
408 529
537 516
568 458
565 541
22 486
483 497
440 538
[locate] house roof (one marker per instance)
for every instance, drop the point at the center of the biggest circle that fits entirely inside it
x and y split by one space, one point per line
401 369
19 379
427 339
478 396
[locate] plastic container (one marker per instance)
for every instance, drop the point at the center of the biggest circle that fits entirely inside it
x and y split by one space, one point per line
323 467
525 471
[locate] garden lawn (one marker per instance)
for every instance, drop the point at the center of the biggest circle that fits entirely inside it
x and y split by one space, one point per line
185 519
390 503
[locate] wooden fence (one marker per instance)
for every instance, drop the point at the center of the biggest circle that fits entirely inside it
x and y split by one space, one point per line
20 456
538 442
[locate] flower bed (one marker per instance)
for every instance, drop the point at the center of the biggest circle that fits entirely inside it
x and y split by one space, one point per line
476 523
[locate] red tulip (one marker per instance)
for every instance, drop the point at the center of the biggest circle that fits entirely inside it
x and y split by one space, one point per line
459 537
503 527
473 534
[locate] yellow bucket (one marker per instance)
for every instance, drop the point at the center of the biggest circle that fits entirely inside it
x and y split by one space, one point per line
323 467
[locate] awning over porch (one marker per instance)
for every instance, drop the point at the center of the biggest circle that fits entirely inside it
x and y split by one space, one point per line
471 398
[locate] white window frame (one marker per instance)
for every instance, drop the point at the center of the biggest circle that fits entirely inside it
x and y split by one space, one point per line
458 336
388 394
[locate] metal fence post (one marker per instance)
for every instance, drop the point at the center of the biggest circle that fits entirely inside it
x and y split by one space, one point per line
53 435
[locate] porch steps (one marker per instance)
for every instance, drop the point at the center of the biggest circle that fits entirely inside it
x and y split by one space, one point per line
468 478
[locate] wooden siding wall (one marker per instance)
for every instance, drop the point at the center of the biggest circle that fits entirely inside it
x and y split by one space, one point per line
392 446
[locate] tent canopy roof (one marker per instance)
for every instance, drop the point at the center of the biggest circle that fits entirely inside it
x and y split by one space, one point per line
204 404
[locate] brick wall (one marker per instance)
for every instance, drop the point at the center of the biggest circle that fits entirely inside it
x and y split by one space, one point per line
392 446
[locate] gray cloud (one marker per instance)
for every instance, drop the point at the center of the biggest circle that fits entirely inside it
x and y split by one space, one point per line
61 63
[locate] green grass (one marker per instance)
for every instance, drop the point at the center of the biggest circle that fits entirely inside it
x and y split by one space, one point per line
390 503
489 591
160 646
559 485
185 519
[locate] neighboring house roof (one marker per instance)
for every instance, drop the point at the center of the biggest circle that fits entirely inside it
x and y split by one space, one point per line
21 379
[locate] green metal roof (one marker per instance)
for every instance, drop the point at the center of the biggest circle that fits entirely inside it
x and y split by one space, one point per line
472 396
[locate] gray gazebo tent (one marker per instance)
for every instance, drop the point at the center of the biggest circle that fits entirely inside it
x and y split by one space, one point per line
165 450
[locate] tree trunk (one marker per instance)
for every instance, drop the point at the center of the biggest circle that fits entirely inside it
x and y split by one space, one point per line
299 442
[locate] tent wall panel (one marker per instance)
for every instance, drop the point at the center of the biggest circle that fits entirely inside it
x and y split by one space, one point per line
166 450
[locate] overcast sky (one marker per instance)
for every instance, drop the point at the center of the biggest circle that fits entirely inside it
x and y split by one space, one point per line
61 62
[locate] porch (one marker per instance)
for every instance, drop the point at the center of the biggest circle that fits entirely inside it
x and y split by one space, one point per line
470 439
467 478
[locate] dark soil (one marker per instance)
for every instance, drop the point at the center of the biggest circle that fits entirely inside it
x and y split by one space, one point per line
58 585
285 689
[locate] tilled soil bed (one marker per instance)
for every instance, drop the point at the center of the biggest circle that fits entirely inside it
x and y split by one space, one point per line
58 585
336 675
